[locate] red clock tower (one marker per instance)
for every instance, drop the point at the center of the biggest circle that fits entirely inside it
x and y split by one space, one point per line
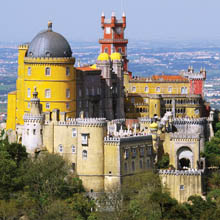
113 40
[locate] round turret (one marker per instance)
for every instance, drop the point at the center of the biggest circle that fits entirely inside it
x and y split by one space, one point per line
103 57
49 44
115 56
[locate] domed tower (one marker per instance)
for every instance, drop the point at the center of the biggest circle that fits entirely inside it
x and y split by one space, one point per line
104 63
32 136
46 63
117 65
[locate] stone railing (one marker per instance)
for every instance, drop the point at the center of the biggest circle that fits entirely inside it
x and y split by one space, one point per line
181 172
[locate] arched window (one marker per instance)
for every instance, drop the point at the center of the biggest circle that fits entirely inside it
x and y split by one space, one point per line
68 93
73 149
146 89
60 148
133 166
126 167
47 71
47 93
29 71
67 71
29 93
141 164
84 155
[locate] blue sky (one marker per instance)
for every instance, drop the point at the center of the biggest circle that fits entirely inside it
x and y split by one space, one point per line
21 20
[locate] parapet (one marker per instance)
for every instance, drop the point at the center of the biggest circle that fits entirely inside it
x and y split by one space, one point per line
190 172
198 121
33 118
117 140
23 46
85 122
49 60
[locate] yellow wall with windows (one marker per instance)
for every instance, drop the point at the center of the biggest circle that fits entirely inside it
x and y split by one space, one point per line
11 111
58 82
139 87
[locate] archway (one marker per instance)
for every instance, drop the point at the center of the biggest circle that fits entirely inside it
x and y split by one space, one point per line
184 158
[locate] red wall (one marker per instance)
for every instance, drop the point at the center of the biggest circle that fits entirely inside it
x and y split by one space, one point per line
196 87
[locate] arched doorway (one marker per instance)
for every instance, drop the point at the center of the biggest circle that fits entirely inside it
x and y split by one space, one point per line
184 158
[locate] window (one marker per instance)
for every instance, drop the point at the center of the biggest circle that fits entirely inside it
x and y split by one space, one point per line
34 131
47 105
29 104
132 100
29 71
133 89
73 166
27 131
47 71
47 93
87 91
60 148
73 149
126 167
67 71
134 152
74 132
41 131
146 89
142 152
169 89
67 105
84 155
141 164
149 151
120 50
126 154
108 30
80 104
87 103
158 89
93 91
68 93
181 187
133 166
184 90
106 50
148 163
85 139
98 91
29 93
80 92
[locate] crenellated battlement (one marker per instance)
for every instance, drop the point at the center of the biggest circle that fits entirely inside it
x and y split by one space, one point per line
145 120
139 137
189 172
193 121
86 122
49 60
33 118
23 47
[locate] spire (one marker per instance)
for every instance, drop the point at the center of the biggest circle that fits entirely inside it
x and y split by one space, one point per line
113 14
50 24
123 15
35 103
103 14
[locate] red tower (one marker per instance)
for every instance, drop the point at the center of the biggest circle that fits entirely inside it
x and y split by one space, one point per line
113 40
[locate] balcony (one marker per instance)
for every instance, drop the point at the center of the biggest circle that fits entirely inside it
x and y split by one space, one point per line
113 41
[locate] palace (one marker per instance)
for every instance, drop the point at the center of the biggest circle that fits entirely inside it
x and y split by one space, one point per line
107 123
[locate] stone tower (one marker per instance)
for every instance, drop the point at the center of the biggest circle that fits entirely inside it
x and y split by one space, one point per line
32 137
113 39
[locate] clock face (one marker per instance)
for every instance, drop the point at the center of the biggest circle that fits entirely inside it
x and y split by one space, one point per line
118 30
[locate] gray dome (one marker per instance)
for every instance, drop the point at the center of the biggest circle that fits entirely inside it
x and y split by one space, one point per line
49 44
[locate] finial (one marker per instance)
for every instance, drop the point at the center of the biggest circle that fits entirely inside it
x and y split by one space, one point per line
113 14
35 93
50 24
123 15
103 14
